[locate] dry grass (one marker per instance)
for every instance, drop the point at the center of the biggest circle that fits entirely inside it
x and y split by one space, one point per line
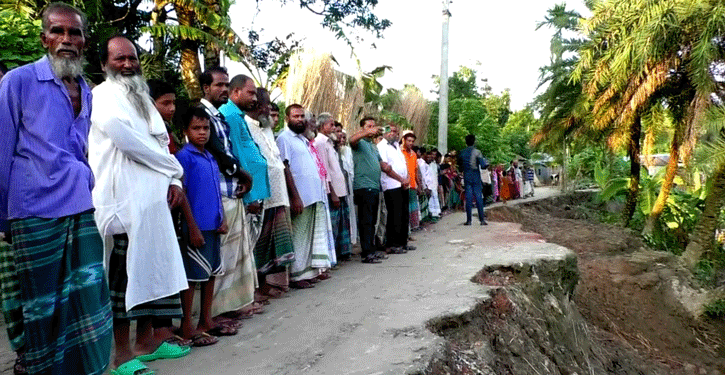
313 82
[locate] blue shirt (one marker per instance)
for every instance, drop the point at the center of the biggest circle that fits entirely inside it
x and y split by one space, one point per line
43 167
247 152
201 181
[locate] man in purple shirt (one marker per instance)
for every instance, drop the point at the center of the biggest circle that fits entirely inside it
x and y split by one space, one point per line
45 202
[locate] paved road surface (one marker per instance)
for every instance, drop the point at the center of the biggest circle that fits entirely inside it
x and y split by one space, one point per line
369 318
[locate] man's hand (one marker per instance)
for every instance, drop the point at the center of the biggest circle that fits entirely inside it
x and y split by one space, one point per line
241 190
334 201
296 207
223 229
254 208
405 182
174 196
196 239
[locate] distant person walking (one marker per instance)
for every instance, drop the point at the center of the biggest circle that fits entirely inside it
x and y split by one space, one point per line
471 160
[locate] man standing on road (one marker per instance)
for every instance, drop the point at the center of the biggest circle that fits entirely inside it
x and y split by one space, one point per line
471 160
235 289
46 203
137 180
273 251
395 192
339 211
306 193
368 168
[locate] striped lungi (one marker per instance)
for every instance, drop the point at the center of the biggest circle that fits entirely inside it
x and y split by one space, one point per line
66 308
413 208
236 288
11 302
381 225
341 227
274 246
167 307
309 236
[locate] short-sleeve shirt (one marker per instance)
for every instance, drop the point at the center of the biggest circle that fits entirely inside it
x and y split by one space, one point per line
367 165
295 149
201 181
392 155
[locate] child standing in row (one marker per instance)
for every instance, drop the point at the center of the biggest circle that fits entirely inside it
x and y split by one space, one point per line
203 263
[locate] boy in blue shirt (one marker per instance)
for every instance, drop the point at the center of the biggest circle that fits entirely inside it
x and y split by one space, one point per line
202 264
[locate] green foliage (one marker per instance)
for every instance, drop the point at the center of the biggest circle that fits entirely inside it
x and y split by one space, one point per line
19 38
715 309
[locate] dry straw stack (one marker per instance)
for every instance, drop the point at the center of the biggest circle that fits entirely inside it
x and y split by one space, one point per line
314 83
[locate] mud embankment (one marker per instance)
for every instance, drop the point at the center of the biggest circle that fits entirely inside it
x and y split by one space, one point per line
528 325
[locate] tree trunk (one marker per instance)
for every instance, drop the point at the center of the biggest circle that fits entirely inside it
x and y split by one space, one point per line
635 167
190 65
212 54
670 173
702 238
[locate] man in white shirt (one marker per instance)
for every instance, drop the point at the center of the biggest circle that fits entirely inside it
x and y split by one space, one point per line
137 180
306 192
337 185
432 181
395 192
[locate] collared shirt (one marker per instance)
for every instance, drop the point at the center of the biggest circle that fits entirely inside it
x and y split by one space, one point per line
471 159
394 157
411 161
43 167
367 165
326 147
295 150
220 147
201 181
264 137
247 152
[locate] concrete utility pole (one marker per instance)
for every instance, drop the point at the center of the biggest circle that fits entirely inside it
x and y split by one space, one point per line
443 93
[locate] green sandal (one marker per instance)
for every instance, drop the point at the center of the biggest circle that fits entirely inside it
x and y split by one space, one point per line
131 368
165 351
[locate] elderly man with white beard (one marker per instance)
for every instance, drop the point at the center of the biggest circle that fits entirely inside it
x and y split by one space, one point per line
55 297
137 181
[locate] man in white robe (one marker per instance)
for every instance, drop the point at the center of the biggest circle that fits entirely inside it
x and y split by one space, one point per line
137 180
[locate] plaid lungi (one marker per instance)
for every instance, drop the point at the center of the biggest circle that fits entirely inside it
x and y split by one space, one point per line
11 302
309 235
413 208
66 309
167 307
340 218
274 246
423 203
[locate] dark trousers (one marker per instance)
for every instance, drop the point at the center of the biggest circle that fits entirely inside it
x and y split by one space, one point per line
367 215
396 229
473 191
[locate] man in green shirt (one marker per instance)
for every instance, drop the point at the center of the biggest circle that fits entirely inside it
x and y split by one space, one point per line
366 185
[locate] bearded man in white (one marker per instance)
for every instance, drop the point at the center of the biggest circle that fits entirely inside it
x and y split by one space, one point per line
137 180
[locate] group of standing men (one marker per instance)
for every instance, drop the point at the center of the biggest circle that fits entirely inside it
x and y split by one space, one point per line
111 218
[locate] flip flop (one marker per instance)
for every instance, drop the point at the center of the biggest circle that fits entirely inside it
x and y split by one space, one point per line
131 367
165 351
222 331
196 340
178 340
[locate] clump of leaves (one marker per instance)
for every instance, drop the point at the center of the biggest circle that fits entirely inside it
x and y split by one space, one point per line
715 309
19 39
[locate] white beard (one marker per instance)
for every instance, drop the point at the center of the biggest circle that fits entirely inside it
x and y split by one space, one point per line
66 67
265 121
137 90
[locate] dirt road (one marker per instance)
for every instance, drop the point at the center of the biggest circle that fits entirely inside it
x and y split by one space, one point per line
369 318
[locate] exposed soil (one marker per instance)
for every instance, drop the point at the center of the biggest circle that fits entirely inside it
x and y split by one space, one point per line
624 289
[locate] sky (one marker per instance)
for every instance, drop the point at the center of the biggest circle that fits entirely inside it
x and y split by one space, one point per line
497 38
